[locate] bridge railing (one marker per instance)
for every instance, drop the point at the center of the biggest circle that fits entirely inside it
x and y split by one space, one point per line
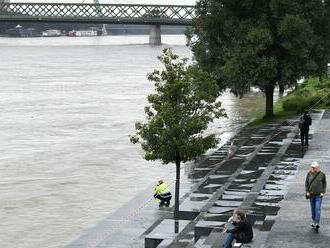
105 13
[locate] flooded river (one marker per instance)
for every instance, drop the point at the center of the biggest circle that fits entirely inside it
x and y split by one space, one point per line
67 106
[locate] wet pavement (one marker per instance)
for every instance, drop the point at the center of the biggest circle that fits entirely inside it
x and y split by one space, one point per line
292 226
252 171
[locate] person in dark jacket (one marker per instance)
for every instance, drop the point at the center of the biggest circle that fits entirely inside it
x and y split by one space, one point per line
304 123
241 230
315 187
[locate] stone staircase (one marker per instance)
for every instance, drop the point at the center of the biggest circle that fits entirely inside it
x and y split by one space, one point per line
252 172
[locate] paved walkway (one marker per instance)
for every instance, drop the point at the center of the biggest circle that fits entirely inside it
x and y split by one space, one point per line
129 225
125 228
292 227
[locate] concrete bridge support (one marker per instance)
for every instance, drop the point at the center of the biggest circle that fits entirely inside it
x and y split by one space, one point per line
155 38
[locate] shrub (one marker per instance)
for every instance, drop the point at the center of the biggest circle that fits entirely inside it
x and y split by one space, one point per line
311 93
295 103
303 92
312 100
316 99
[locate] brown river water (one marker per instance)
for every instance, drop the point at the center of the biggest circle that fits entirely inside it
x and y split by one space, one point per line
67 106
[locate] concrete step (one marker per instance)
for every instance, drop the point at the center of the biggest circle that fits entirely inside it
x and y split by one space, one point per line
201 243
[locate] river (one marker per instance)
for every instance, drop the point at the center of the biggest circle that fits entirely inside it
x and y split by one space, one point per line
67 106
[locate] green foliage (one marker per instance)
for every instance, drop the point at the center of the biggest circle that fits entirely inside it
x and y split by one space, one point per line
184 103
261 43
311 94
295 103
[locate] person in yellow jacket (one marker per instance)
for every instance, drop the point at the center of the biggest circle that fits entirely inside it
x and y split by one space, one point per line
163 194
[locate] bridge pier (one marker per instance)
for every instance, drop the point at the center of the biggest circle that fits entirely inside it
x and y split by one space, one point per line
155 38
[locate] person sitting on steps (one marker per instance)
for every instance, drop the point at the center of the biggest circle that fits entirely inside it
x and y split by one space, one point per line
239 229
163 194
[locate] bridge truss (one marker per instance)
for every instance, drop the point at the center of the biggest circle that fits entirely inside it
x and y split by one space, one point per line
98 13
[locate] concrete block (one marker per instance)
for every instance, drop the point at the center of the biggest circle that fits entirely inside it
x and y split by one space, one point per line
204 228
164 231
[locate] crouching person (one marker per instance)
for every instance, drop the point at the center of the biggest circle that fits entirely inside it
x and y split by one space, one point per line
163 194
239 229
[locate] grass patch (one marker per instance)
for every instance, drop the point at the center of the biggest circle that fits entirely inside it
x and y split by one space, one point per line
312 93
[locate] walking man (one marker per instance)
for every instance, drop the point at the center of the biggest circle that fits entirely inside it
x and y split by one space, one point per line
315 186
304 123
163 194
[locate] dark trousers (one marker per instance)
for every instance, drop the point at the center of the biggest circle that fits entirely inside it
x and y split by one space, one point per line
304 136
164 199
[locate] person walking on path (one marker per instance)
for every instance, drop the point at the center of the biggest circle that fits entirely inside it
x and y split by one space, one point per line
304 123
315 187
239 229
163 194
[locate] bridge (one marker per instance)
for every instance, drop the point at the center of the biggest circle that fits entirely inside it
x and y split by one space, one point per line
154 15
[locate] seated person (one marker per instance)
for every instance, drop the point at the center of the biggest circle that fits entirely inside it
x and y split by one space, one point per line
239 229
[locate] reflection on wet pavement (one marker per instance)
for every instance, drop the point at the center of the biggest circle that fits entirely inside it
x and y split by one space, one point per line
255 177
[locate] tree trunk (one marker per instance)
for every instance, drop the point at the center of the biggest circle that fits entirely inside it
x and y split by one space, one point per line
177 196
269 92
280 90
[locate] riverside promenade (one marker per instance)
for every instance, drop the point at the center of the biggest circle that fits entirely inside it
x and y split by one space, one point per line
292 226
261 170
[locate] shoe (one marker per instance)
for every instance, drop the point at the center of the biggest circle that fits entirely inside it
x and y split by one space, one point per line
317 226
313 225
167 204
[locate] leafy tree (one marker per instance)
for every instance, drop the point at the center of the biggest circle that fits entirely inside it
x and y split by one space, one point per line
184 103
250 43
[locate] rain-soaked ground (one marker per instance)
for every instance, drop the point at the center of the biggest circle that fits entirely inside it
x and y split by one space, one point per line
292 227
252 172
